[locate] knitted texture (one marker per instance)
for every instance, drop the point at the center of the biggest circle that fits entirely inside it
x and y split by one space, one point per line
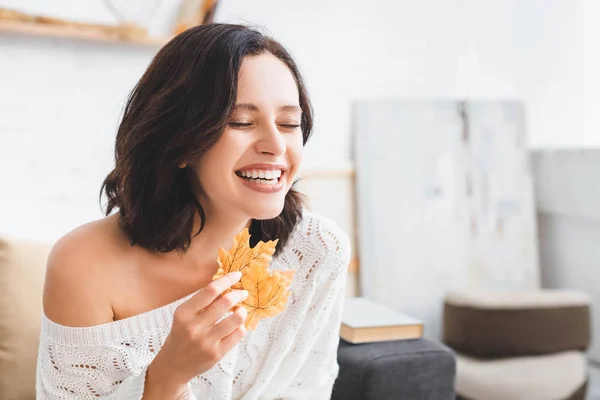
290 356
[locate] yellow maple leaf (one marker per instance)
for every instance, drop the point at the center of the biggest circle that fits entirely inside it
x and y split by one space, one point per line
261 254
289 274
235 259
268 292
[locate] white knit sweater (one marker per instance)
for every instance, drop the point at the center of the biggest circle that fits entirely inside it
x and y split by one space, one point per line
290 356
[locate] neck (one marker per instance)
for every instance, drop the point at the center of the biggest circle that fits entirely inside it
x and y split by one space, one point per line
219 231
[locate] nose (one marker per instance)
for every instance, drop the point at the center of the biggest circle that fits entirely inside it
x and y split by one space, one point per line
271 141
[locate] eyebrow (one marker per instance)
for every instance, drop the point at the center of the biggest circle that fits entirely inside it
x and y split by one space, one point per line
252 107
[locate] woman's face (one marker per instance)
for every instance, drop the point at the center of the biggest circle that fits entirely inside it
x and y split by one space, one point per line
253 165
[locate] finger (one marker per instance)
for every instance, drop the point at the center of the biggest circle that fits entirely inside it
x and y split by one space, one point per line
220 307
210 292
232 339
229 324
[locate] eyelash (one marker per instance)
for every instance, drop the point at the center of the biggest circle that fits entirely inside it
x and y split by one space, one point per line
248 124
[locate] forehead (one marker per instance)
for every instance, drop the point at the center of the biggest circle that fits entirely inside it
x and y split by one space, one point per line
265 79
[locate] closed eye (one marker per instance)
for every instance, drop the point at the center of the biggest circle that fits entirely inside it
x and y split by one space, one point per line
240 124
290 126
235 124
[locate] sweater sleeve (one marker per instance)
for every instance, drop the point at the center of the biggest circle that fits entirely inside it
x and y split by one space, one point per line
84 372
94 363
319 367
88 379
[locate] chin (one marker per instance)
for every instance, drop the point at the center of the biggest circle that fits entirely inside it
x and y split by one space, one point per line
267 211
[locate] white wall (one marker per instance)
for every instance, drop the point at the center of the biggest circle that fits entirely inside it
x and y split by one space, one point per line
60 99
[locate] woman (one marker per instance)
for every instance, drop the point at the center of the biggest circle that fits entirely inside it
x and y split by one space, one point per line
210 142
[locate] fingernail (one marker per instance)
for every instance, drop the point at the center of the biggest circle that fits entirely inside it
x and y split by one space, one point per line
245 293
237 275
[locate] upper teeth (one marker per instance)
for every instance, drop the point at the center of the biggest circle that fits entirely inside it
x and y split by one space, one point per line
262 173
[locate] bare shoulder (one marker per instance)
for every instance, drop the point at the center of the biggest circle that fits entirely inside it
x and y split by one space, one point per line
78 274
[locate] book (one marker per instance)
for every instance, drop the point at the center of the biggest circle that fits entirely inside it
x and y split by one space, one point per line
366 321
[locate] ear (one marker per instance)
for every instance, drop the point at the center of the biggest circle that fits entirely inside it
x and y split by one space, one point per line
182 164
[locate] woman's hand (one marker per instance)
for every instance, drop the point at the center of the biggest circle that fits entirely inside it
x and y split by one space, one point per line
196 343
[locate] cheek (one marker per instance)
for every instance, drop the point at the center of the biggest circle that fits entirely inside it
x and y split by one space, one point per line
295 149
221 157
210 170
213 179
217 165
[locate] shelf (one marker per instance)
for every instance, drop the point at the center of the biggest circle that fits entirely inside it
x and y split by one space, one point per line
90 32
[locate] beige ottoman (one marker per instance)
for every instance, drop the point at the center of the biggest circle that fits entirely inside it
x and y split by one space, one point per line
520 345
550 377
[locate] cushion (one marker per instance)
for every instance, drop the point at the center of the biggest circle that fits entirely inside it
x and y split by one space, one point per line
399 369
22 270
560 376
488 325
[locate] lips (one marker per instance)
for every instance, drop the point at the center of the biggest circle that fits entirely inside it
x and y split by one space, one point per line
263 177
263 167
262 185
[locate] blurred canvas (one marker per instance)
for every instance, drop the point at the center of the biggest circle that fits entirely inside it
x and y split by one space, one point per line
444 201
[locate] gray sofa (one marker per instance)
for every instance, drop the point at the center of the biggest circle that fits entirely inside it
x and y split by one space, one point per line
395 370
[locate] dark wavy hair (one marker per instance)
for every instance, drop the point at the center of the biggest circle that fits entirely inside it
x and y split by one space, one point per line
177 112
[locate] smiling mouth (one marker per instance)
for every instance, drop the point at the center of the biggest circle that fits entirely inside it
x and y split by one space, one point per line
264 177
